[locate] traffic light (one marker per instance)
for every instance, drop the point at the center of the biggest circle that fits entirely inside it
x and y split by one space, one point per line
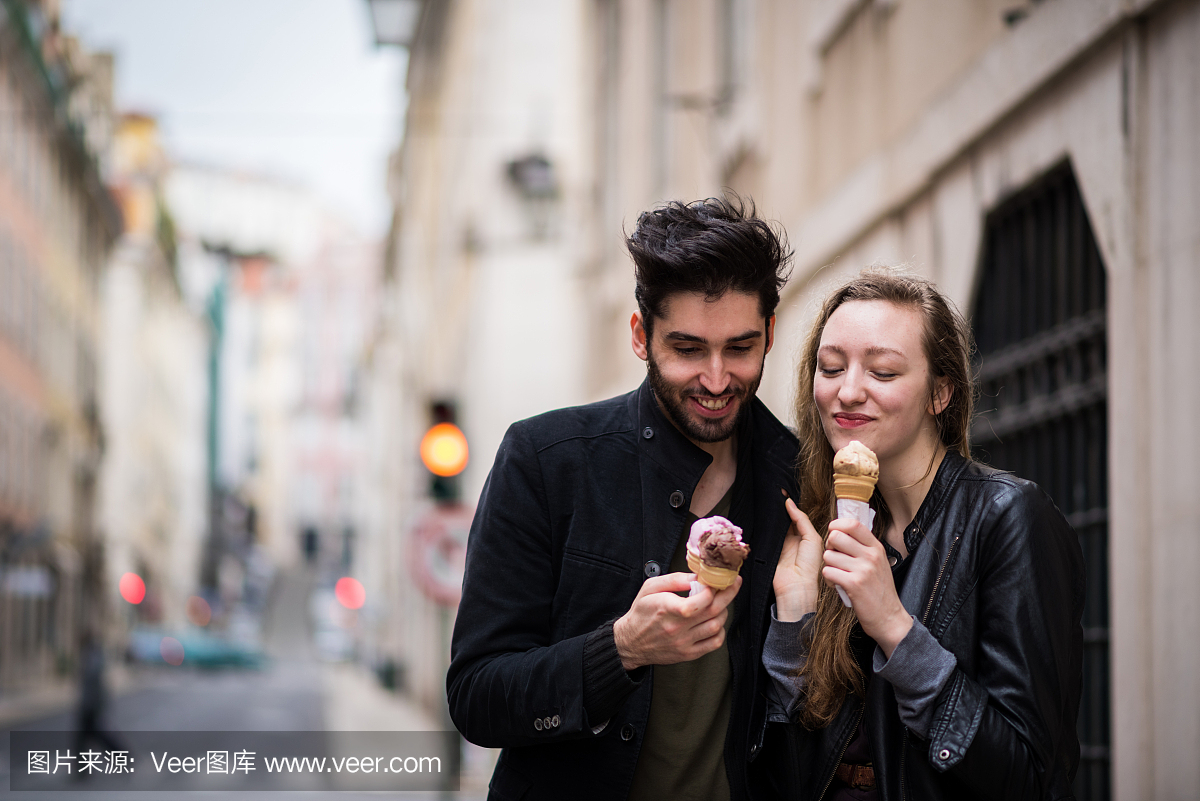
444 452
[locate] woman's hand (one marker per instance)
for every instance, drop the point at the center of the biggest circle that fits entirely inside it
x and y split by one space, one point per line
856 562
798 569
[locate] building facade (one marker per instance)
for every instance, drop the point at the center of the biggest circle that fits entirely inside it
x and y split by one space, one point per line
1038 160
153 500
57 225
482 286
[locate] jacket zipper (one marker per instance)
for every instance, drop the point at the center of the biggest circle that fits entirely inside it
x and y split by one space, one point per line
845 745
924 622
936 584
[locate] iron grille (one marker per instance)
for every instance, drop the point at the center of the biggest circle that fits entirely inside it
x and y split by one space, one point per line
1039 318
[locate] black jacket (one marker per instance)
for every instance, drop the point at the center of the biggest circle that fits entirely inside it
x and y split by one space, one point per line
579 504
998 579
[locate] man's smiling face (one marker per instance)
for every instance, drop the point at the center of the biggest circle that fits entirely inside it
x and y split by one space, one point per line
705 360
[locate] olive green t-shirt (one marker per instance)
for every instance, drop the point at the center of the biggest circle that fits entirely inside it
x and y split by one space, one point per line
683 752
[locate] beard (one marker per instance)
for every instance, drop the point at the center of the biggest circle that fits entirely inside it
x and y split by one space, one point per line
673 401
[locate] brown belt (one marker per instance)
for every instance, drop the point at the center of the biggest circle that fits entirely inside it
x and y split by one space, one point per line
860 777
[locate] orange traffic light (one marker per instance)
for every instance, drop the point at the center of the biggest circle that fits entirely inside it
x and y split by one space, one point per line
444 450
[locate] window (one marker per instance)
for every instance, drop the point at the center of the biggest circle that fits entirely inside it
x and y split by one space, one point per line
1039 318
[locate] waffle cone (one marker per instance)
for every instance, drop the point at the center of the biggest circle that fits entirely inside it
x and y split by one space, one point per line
716 577
857 488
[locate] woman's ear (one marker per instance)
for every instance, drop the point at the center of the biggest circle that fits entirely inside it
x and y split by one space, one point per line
942 392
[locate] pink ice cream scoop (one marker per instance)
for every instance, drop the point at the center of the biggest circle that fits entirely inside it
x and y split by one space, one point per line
717 543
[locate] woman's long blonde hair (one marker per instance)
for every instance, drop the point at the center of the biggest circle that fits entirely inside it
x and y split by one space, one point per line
831 670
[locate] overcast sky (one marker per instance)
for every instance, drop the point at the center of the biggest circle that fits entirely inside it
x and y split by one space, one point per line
294 88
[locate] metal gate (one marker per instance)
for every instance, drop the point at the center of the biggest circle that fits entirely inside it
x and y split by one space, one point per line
1039 319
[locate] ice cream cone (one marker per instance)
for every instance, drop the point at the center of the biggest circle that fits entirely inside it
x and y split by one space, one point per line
855 471
858 488
716 577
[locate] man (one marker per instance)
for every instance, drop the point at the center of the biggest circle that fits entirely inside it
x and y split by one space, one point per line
576 648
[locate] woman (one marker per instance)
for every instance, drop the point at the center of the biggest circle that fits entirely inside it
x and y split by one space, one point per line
957 672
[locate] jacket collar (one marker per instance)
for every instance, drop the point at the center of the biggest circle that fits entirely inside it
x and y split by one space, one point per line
673 452
671 466
665 444
929 551
939 492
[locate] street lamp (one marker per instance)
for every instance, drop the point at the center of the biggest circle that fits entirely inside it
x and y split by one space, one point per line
534 179
395 21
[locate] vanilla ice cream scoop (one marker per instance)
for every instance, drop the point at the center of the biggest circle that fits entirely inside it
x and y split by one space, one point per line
855 472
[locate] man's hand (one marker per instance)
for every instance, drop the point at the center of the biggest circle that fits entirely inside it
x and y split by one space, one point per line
662 628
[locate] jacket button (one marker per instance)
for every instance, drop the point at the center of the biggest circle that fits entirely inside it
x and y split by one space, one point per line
652 569
546 724
647 433
537 723
676 499
753 751
627 732
555 721
944 754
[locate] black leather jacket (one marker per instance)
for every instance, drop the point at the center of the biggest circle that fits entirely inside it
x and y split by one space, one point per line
998 579
581 505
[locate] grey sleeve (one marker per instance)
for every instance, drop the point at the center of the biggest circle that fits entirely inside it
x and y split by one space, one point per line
918 670
783 654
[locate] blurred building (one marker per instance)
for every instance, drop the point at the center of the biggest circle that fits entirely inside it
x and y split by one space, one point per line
1040 161
481 297
154 491
240 238
337 300
57 223
288 289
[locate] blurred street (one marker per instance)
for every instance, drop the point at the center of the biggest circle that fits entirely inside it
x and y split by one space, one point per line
294 690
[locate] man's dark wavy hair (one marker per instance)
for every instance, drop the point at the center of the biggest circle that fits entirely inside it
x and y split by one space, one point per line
709 246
